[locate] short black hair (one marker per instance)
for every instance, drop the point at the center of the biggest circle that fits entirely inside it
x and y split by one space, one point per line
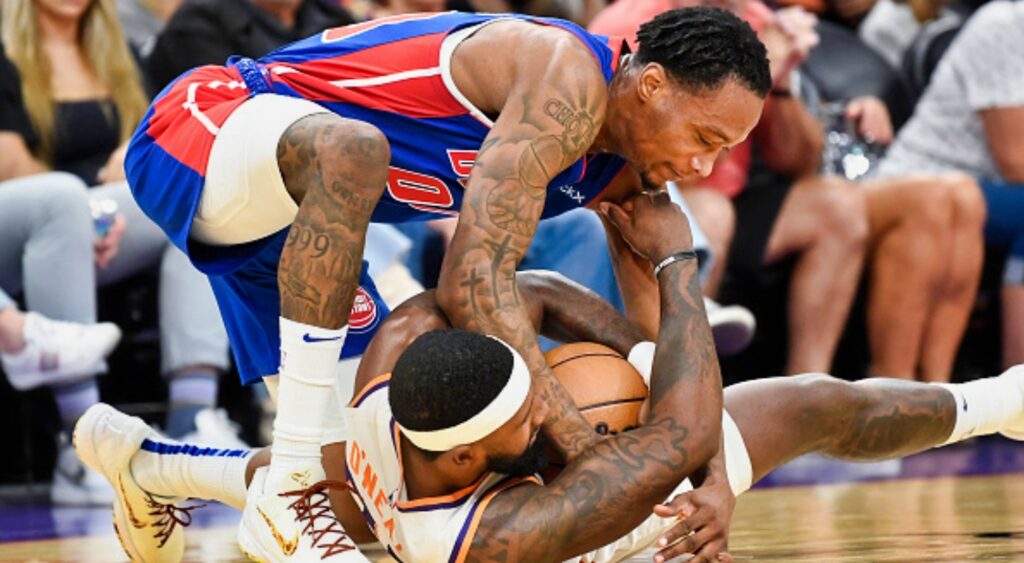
702 46
447 376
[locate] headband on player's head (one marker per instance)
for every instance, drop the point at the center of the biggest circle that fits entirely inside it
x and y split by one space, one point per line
477 427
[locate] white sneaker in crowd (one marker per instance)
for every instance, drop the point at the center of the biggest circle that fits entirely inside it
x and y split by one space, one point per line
214 428
297 525
58 351
74 484
732 326
149 527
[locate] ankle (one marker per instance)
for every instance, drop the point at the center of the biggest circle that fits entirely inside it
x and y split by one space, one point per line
12 330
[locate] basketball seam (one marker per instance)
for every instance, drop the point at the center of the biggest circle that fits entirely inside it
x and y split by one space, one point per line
589 355
611 403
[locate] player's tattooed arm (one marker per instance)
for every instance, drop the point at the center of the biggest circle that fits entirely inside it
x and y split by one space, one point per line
549 119
570 312
612 487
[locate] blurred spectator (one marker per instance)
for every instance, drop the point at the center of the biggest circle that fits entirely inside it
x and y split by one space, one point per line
364 10
918 307
82 122
209 31
46 229
969 120
892 25
847 12
143 20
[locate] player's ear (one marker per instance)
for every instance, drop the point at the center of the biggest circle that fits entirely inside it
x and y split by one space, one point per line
466 456
651 82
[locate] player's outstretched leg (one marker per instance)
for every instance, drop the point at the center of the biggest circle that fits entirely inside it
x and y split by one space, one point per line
337 170
782 418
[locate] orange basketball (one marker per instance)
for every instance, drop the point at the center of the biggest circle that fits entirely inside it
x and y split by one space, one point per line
606 388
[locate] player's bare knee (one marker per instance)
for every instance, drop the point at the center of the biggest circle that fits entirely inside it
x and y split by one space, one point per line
830 400
325 150
362 144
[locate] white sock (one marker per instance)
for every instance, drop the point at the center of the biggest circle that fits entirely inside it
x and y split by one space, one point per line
986 406
173 469
335 425
309 364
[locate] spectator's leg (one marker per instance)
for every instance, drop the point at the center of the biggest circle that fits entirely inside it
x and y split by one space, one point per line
192 337
1013 322
194 348
824 221
717 218
46 251
909 222
45 227
962 272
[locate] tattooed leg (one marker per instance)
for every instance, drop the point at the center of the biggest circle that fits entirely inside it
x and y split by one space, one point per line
336 169
782 418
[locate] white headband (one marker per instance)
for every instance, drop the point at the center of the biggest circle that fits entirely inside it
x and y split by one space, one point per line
498 412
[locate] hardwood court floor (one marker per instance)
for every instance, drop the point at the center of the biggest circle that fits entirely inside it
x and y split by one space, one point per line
943 519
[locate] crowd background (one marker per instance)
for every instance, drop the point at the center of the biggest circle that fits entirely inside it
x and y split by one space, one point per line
873 224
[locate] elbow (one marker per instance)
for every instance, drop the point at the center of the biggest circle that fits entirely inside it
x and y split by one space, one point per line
705 433
447 300
705 444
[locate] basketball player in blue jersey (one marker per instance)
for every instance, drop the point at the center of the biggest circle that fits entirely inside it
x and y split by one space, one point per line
440 455
267 172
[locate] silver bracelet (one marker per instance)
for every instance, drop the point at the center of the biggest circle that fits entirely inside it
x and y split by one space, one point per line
672 258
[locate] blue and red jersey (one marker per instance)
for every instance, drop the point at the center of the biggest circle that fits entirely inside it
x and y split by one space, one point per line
393 73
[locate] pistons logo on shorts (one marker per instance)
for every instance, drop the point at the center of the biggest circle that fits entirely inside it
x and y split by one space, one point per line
364 311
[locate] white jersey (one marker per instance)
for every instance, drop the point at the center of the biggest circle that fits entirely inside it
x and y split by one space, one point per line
429 530
441 529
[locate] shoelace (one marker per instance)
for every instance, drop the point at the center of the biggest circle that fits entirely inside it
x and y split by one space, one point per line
171 516
312 505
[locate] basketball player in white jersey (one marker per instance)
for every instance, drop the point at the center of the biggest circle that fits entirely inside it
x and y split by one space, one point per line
440 452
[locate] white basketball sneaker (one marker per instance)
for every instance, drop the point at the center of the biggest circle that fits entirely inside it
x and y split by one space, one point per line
148 526
1015 429
297 525
214 428
58 352
75 484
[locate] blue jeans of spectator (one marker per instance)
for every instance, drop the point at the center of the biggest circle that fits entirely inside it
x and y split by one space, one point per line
1004 227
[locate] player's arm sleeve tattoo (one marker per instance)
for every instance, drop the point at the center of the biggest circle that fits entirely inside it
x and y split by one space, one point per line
610 489
570 312
548 122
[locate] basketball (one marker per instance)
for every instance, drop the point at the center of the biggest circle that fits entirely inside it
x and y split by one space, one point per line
606 388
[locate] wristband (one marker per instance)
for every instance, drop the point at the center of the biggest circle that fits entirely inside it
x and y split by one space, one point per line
672 258
641 357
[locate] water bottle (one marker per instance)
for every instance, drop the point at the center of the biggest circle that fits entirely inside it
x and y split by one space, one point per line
104 211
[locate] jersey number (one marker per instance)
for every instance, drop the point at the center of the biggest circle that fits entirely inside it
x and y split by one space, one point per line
428 193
